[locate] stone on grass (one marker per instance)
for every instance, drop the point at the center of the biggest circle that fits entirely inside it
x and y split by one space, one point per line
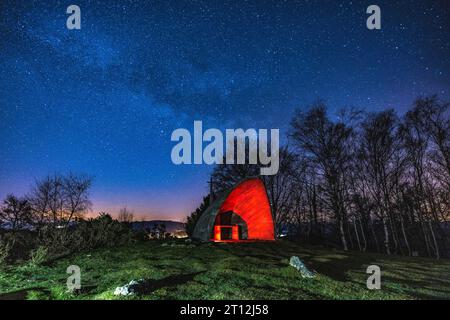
300 266
128 289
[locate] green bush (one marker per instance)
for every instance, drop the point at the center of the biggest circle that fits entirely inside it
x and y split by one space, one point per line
5 249
102 231
52 242
16 246
38 256
59 242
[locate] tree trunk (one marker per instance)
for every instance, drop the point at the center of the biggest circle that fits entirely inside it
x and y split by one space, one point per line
386 236
425 235
404 235
357 236
363 235
374 236
342 234
436 247
394 236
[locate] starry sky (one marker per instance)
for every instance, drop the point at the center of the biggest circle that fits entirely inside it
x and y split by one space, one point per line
105 99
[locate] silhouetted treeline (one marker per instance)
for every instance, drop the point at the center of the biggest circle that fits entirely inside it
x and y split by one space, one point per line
49 222
382 181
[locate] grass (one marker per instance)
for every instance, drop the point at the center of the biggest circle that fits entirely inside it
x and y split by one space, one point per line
230 271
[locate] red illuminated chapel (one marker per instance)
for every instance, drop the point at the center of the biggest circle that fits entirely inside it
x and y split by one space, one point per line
241 213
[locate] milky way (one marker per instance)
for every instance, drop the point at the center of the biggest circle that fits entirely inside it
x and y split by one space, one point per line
104 100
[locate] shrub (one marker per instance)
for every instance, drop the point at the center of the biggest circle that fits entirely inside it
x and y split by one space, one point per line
102 231
16 245
38 256
58 242
5 249
52 242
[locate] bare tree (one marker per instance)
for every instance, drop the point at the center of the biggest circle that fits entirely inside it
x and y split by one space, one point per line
125 215
60 199
75 196
16 212
40 198
435 118
326 144
279 189
379 152
425 134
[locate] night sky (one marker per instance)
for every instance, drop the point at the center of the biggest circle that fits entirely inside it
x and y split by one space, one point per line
105 99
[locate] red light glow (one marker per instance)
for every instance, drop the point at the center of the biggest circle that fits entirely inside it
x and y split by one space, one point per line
249 201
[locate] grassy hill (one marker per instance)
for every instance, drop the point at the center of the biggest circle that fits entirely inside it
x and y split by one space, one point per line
176 270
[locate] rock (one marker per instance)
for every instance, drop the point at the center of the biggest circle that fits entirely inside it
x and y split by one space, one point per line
128 289
300 266
122 291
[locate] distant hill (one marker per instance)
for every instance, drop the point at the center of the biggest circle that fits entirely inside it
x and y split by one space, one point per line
171 226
